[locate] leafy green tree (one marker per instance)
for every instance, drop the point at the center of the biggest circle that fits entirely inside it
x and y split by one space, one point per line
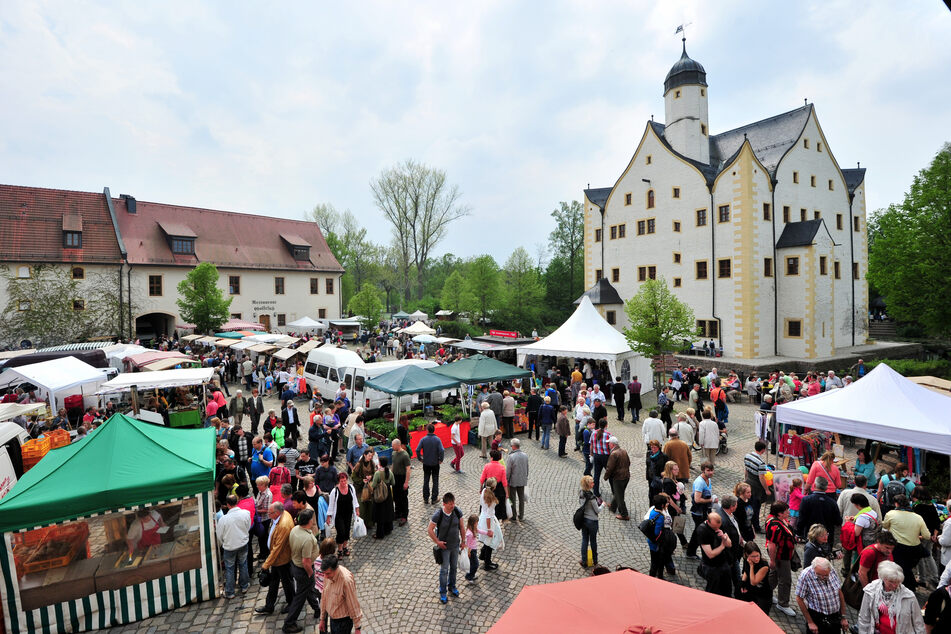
558 297
482 286
46 308
453 296
910 249
367 304
659 322
567 241
522 291
201 301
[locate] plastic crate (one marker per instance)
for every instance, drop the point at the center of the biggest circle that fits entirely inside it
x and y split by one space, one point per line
36 448
21 553
39 565
30 538
29 463
58 438
74 532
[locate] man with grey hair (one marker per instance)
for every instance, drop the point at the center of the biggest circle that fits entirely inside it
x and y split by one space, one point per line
731 526
820 599
618 473
516 471
278 558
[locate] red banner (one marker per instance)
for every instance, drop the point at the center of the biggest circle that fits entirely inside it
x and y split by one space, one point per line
503 333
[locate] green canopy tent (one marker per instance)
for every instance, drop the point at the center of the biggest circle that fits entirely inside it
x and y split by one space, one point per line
478 369
410 379
122 465
401 315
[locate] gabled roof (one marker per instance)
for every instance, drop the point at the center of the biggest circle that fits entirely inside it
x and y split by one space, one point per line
770 138
853 177
224 238
32 221
799 234
709 172
601 293
598 195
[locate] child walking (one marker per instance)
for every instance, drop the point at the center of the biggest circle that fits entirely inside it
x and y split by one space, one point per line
472 542
795 500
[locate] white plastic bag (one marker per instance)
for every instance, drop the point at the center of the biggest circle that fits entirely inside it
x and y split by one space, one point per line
359 528
508 509
462 567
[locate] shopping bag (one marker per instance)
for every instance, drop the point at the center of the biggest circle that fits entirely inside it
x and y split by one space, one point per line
508 509
463 565
359 528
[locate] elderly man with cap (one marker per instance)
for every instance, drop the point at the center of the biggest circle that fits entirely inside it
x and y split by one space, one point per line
618 473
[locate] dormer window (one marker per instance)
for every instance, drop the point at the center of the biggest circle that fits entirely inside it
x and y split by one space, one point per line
297 246
181 239
72 231
183 246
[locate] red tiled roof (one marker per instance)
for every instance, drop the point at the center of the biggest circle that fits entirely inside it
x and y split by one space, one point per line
224 238
32 220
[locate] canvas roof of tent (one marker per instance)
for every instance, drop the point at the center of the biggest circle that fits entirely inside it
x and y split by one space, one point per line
122 463
262 348
191 337
411 379
158 379
479 368
169 363
285 353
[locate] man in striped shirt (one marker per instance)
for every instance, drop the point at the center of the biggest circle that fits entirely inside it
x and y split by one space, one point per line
339 602
600 451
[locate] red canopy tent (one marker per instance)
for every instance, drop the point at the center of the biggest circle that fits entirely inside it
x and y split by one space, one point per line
238 324
627 602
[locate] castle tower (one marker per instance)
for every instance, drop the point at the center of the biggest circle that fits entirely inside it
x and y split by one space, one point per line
685 109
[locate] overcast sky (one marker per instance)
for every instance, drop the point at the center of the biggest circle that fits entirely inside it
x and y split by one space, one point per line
274 107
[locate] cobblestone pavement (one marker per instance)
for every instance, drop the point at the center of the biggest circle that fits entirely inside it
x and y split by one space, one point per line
397 580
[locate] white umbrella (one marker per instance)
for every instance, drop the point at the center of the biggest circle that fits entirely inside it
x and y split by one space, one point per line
424 339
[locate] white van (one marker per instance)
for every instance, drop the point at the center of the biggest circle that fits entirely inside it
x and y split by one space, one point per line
327 367
12 438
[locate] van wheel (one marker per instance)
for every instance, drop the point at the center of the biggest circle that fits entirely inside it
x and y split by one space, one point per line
450 400
383 410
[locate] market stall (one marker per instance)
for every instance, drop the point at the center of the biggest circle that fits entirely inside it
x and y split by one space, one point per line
57 378
238 324
86 547
184 408
136 361
306 323
482 369
418 328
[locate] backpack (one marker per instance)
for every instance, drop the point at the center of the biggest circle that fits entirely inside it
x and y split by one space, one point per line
381 491
848 538
893 488
578 517
648 526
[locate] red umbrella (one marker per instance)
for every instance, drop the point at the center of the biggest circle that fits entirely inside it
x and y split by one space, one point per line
627 602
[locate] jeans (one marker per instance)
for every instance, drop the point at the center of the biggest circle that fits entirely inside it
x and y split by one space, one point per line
473 564
562 444
588 465
400 497
519 492
546 436
304 591
341 626
578 432
430 472
617 490
589 533
635 412
232 558
447 571
457 461
280 576
600 462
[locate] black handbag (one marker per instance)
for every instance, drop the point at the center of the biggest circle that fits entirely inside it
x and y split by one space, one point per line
264 577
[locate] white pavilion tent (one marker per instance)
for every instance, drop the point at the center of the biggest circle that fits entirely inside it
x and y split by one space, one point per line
419 315
883 406
306 323
418 328
586 335
57 378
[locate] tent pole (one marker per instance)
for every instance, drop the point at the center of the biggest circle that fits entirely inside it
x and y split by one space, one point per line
135 399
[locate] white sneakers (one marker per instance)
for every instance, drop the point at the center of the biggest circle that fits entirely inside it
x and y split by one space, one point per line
785 610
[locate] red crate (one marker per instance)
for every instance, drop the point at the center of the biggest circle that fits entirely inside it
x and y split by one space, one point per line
58 438
36 448
30 538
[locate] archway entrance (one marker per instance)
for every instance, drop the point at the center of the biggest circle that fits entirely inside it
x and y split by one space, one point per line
154 325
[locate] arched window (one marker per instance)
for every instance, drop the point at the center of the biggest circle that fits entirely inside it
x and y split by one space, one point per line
650 198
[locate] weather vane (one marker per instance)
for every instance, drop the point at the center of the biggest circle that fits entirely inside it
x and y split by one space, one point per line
683 29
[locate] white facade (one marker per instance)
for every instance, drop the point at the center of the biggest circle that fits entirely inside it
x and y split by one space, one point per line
718 217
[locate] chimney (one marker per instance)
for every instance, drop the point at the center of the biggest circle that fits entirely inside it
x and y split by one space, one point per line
129 203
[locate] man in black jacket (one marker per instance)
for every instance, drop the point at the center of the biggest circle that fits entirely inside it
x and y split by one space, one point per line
731 526
255 410
619 391
241 445
819 508
534 402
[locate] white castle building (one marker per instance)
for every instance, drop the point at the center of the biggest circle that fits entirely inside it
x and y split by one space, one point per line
757 229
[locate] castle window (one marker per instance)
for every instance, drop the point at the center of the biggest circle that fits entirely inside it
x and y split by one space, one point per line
641 227
676 192
701 266
155 285
676 226
598 275
831 185
645 273
766 212
855 224
794 328
676 257
855 270
79 304
676 94
72 240
315 286
802 215
321 313
703 92
823 268
647 160
708 327
597 235
278 285
837 270
767 267
329 286
627 198
805 143
677 282
234 284
703 129
838 222
79 273
818 146
24 272
786 214
23 305
816 215
650 198
281 319
615 275
792 265
701 217
723 213
795 177
724 268
611 317
812 180
183 246
621 230
614 232
651 225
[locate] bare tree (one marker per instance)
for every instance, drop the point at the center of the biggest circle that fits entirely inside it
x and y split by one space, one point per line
420 204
